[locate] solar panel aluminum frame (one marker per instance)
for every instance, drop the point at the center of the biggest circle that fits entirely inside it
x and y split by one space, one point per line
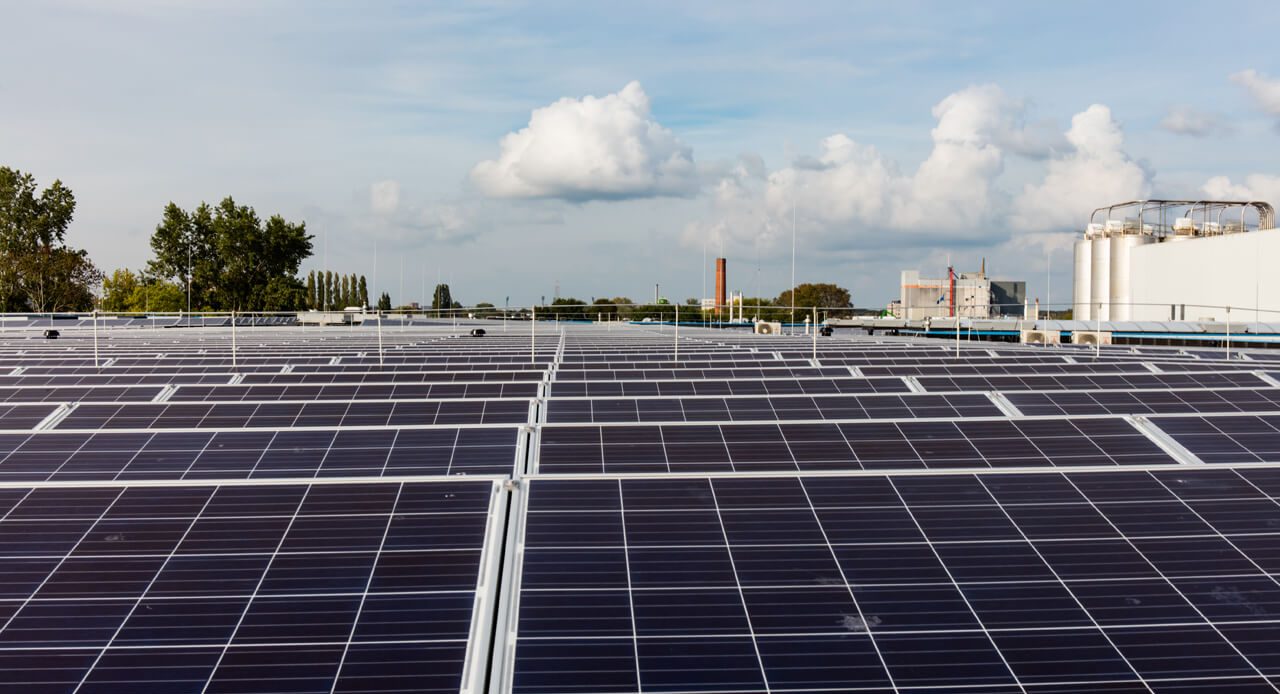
489 590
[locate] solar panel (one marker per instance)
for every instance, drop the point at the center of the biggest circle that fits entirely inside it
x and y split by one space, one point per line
297 588
18 417
887 583
725 518
797 386
1127 381
240 454
844 446
297 414
774 408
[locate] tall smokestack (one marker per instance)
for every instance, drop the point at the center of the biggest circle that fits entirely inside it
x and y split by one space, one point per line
722 284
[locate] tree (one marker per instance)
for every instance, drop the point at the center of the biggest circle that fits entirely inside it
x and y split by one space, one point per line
442 298
567 307
364 292
327 303
384 302
38 271
57 278
128 292
282 293
230 254
118 290
311 289
344 292
824 296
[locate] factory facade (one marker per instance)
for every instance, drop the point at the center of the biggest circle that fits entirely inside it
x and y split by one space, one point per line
966 294
1161 260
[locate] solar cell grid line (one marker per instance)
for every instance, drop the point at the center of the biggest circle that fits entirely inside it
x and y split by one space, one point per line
400 594
170 455
1222 438
775 408
134 608
276 414
1052 655
1067 588
1234 379
1174 586
25 416
1146 401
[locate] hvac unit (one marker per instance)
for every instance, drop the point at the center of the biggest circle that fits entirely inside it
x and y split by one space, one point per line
764 328
1090 337
1041 337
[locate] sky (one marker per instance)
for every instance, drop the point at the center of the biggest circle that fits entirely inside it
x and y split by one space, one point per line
515 149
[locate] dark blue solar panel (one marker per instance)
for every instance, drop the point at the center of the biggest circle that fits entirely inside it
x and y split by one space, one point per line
1036 582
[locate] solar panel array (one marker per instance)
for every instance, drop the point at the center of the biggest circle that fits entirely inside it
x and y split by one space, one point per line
611 508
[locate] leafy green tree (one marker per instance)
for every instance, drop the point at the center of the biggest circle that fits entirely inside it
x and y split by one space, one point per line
364 292
824 296
311 289
567 307
442 298
38 271
344 292
326 302
118 289
127 291
282 293
384 302
230 253
56 278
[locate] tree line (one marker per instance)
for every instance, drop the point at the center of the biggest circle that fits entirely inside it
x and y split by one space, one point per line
227 257
831 300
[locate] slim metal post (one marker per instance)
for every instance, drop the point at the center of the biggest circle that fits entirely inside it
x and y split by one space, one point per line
379 338
1097 337
815 333
96 363
533 335
677 333
233 340
1228 333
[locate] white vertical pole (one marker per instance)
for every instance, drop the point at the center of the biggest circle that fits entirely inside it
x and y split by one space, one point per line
1228 333
793 261
233 340
96 363
1097 342
533 334
815 332
957 317
677 333
379 338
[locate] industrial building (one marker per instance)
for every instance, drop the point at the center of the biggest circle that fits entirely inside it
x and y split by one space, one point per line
966 294
1178 260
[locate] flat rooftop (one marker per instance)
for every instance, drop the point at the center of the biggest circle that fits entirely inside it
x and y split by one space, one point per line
621 508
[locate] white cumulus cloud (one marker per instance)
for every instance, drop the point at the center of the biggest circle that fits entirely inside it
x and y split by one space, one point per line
851 194
1254 187
384 197
593 148
1264 90
1097 172
1184 120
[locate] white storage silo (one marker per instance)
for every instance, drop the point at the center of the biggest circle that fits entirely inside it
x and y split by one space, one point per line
1100 272
1121 285
1082 309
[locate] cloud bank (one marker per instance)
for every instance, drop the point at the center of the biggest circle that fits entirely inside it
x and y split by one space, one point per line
850 196
593 148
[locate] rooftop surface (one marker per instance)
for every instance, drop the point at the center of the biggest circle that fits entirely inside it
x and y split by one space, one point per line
613 508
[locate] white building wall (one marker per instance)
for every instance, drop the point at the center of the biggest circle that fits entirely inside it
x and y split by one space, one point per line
1237 270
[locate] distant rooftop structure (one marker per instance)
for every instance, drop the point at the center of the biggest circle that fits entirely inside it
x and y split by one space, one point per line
1133 262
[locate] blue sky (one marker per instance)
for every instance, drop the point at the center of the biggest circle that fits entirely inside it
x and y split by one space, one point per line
903 133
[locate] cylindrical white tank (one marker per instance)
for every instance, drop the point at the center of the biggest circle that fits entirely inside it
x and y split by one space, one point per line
1082 308
1100 277
1121 286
